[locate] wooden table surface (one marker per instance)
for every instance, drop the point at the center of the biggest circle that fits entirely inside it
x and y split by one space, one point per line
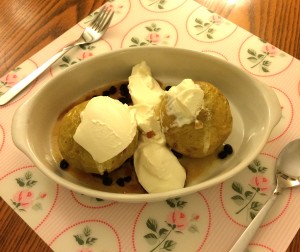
28 26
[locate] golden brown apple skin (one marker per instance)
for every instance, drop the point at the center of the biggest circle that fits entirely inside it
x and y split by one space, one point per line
207 133
76 155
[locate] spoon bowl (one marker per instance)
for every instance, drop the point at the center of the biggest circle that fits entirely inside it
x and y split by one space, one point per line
287 176
288 160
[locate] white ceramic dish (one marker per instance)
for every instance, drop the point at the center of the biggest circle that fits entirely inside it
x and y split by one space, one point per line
254 105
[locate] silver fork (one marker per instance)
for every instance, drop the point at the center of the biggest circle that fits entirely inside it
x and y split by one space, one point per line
91 33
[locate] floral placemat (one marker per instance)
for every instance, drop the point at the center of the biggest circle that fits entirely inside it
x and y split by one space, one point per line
210 220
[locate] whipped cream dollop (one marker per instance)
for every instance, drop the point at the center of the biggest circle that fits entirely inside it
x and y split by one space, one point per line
143 88
107 127
146 95
157 169
184 101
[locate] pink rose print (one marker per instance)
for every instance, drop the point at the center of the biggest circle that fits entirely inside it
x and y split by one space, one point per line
258 186
9 80
177 222
178 219
117 8
23 199
109 7
86 55
261 59
153 37
207 27
216 19
271 50
259 182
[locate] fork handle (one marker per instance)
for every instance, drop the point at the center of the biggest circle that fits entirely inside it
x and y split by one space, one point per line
18 87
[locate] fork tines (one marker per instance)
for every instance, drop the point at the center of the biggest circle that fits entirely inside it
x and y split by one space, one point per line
103 18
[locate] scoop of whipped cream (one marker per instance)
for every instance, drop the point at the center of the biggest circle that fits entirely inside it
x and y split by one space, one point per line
143 88
157 169
107 127
184 101
146 95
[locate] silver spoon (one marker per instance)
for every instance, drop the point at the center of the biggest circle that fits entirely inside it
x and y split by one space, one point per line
287 176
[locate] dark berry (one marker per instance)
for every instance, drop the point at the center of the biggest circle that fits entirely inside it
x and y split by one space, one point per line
222 154
124 90
127 179
228 148
106 93
112 90
120 182
107 180
64 164
167 88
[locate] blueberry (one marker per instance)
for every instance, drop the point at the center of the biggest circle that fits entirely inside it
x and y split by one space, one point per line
120 182
107 180
64 164
124 90
112 90
228 149
222 154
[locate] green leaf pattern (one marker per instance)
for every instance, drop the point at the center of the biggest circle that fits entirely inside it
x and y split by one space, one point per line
245 197
208 27
9 80
153 37
68 60
85 238
262 58
161 236
25 198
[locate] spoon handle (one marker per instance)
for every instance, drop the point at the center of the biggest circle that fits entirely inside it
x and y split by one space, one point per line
242 243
